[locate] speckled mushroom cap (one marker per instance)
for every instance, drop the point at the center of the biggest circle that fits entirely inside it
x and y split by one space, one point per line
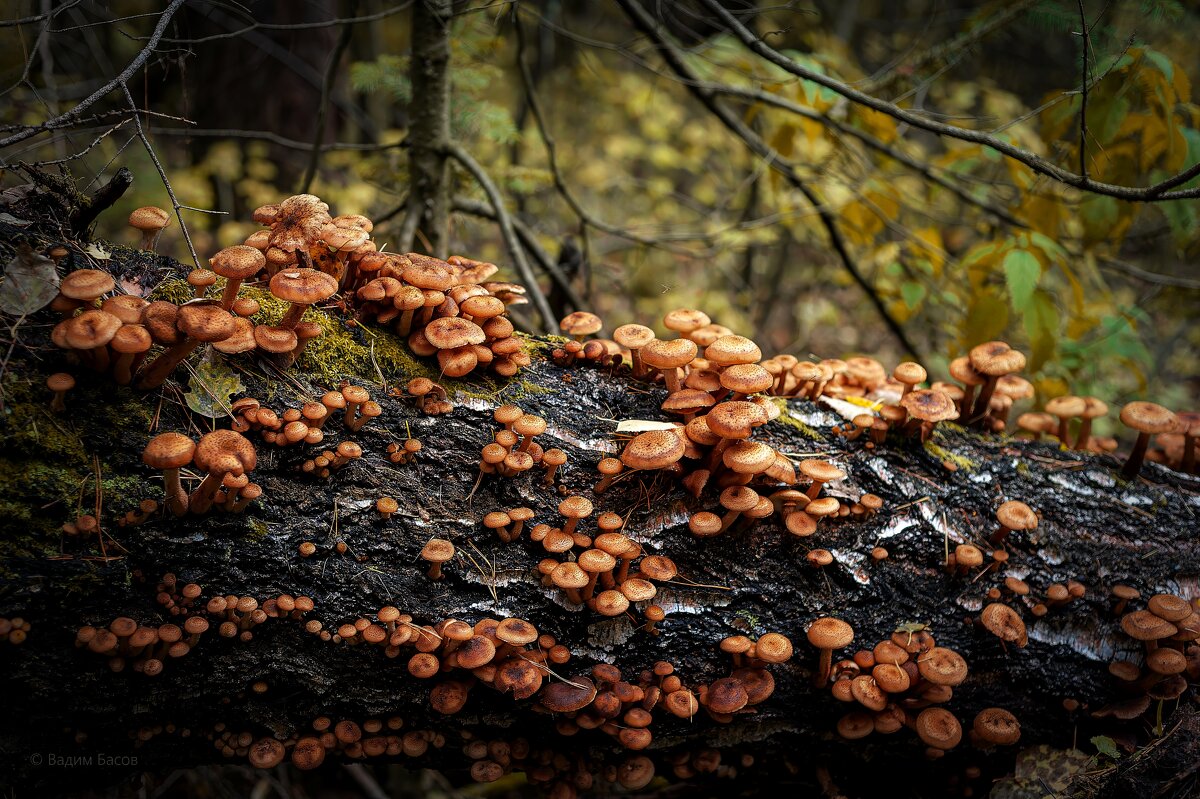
910 373
91 329
204 321
575 507
169 451
437 550
929 405
1169 607
995 358
997 726
830 633
1147 417
568 696
1067 406
1014 387
746 378
517 632
297 222
130 339
732 349
658 567
654 449
962 371
1004 623
240 340
669 354
482 307
159 317
821 471
428 273
238 262
1093 408
303 286
748 457
687 400
942 666
449 332
773 648
126 307
938 728
580 323
220 446
149 217
633 336
726 695
275 339
569 575
685 320
735 419
1016 515
86 284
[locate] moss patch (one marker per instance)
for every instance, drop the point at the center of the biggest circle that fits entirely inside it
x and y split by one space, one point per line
786 418
943 454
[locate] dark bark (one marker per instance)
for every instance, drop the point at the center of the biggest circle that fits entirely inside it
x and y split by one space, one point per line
1095 528
429 125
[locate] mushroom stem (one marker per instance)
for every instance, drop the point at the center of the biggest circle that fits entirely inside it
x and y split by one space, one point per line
980 408
824 664
155 373
150 239
435 570
176 497
293 316
1136 456
201 499
230 293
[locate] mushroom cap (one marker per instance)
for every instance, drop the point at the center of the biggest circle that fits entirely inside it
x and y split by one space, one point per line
635 589
297 222
238 262
169 451
995 358
830 633
658 567
938 728
1094 408
910 373
1166 661
821 471
687 400
159 317
1169 607
275 339
91 329
149 217
450 332
705 524
386 505
997 726
576 507
223 448
823 506
476 651
726 695
669 354
424 272
60 381
942 666
734 419
569 575
611 603
596 561
654 449
962 371
131 339
730 350
266 753
1016 515
773 648
1004 623
1067 406
929 405
633 336
1014 387
685 320
496 519
482 307
517 632
748 457
580 323
204 321
529 425
746 378
303 286
800 523
86 284
1147 417
437 550
567 697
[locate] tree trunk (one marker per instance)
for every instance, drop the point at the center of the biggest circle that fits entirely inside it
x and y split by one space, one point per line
64 702
429 123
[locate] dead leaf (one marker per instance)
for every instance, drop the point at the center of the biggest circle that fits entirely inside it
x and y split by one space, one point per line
30 282
97 252
212 386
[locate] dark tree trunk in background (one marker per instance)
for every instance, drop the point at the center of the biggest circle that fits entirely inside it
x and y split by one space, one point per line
429 124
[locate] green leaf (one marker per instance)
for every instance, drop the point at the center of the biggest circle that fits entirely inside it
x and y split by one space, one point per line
912 293
1052 248
212 386
1022 271
1106 746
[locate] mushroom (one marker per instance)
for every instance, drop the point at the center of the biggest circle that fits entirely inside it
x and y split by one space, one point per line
1065 409
170 452
199 322
1147 418
60 383
219 453
828 634
991 359
1013 515
580 324
633 337
150 220
929 406
236 264
1004 623
91 332
667 357
437 551
301 288
654 449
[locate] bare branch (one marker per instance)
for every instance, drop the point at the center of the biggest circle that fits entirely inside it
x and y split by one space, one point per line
1155 193
459 154
70 117
335 59
674 58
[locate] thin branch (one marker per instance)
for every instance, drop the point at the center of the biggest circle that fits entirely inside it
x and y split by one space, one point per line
68 118
275 138
96 141
1083 170
335 59
458 153
1149 277
467 205
1155 193
162 173
675 59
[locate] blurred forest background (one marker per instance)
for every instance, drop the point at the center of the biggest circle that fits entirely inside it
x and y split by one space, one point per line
645 150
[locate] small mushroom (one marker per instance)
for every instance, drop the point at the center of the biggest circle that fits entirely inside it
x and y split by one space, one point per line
150 221
1147 418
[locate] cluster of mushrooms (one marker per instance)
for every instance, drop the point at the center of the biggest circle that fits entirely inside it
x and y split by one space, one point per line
1168 629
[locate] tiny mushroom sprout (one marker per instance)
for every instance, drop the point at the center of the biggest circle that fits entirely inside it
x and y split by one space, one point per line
150 220
60 383
437 551
170 452
828 634
1147 418
909 374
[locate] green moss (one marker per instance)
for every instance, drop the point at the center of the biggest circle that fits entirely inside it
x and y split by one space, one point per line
258 530
943 454
176 291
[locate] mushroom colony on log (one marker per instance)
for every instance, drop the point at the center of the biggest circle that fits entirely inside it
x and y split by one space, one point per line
458 562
